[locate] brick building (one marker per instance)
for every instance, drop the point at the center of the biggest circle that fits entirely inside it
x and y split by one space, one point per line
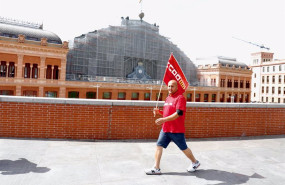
229 79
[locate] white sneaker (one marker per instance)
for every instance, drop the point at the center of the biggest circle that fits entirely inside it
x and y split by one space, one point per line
193 167
152 171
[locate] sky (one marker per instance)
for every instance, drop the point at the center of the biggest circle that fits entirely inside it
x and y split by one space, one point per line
200 28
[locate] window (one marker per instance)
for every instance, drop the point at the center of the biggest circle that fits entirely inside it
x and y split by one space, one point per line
279 79
241 84
35 71
213 97
272 100
262 99
278 100
73 94
229 98
267 69
189 97
279 90
280 68
254 85
236 84
247 85
241 98
254 75
91 95
222 97
246 98
3 69
27 70
121 95
146 96
107 95
273 90
263 69
197 98
52 94
30 93
135 96
160 96
267 79
235 98
229 83
254 94
48 73
267 89
213 82
222 82
7 92
206 97
266 99
273 68
55 72
273 79
11 70
262 89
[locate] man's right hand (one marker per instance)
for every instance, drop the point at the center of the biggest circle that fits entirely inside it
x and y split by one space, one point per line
155 111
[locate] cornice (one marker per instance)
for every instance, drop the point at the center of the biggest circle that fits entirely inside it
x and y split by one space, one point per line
22 48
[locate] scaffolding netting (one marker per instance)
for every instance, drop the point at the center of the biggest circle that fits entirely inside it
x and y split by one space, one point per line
117 52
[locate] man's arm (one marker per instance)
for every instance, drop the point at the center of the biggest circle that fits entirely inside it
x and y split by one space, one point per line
171 117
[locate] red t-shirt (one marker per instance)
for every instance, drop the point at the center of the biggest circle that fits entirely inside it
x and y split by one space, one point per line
172 103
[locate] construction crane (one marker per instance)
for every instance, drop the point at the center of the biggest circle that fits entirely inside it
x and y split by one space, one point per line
261 46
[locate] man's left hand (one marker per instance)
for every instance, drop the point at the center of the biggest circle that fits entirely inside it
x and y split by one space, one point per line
159 121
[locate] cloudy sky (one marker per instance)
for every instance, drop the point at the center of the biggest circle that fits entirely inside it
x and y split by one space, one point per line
200 28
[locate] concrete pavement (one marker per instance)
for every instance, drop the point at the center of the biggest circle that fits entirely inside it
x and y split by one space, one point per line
228 161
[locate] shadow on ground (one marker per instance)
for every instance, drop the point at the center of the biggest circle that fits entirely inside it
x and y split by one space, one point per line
20 166
225 178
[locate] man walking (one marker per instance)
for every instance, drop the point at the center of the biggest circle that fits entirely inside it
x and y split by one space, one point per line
173 128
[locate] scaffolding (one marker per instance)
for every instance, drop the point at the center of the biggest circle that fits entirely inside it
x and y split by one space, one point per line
117 50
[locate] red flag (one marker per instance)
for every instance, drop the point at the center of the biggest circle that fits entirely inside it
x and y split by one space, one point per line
174 72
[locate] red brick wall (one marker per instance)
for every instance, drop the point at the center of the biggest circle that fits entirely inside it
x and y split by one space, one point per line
30 118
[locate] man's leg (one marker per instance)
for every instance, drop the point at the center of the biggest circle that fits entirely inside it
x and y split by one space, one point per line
195 164
155 170
162 142
158 154
189 154
179 140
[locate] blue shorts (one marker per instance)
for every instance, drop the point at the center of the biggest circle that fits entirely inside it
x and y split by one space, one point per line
166 137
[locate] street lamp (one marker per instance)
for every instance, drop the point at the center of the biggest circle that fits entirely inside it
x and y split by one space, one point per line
150 92
97 92
194 95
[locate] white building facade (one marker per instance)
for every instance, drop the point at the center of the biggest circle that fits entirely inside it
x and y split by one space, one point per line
268 78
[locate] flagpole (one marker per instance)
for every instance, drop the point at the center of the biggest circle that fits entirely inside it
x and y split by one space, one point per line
159 94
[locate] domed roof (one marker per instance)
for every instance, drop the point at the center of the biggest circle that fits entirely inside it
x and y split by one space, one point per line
116 51
31 32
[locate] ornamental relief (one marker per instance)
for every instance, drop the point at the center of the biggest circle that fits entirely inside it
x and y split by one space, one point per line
21 38
44 42
65 45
